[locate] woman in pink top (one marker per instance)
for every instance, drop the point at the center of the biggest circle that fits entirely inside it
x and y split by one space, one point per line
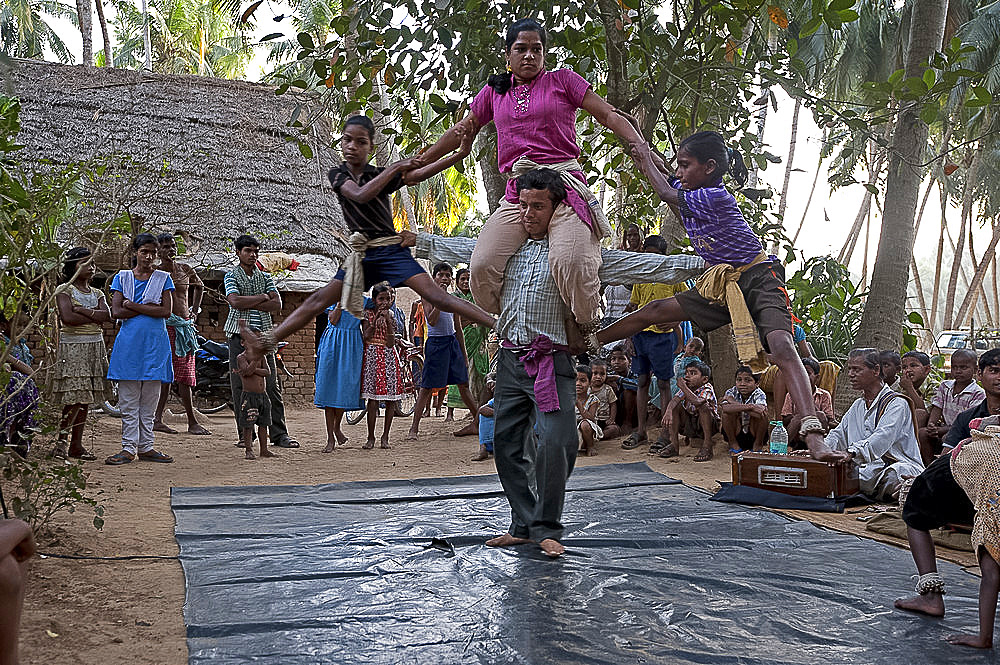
535 115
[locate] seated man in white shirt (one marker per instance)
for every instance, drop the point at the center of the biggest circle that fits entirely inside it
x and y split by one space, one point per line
877 431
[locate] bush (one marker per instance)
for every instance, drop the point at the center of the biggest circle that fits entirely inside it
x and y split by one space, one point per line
35 491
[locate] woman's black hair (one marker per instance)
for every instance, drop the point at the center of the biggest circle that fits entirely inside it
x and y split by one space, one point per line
363 121
73 259
143 239
381 287
704 146
503 81
461 271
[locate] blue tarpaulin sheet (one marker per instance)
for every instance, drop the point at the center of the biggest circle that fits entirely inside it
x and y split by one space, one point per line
655 572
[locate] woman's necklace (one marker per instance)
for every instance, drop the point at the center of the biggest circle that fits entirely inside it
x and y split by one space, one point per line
521 95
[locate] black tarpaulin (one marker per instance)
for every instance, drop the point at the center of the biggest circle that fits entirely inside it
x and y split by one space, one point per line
396 572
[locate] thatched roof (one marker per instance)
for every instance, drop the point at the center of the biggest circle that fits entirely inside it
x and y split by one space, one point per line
205 156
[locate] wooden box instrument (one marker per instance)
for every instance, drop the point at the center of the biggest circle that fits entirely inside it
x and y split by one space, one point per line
798 475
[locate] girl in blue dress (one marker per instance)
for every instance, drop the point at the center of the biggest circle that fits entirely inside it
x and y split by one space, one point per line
141 300
338 372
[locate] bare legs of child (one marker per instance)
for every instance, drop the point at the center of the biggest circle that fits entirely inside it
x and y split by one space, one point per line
669 312
334 434
261 436
423 400
390 411
589 447
74 421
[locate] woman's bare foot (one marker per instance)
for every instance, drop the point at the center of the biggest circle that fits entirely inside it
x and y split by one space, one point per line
341 437
411 436
198 430
369 444
449 418
472 429
160 427
330 445
266 453
930 604
968 640
384 443
552 548
249 454
822 452
507 540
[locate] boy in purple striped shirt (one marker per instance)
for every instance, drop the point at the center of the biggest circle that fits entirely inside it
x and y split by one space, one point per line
721 235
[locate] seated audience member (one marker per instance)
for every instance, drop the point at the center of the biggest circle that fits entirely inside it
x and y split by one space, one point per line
791 415
607 406
958 489
957 394
919 382
693 411
691 353
486 422
772 380
891 365
586 412
625 383
877 431
744 412
989 376
17 546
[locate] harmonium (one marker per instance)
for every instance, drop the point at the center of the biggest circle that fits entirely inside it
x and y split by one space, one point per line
798 475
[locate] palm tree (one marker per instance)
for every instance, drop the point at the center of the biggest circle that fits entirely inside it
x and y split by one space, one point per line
25 31
187 37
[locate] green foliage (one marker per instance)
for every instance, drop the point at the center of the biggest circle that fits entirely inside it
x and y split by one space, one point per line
27 30
35 490
829 305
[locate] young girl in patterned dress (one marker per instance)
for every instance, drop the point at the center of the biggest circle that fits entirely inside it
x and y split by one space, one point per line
382 380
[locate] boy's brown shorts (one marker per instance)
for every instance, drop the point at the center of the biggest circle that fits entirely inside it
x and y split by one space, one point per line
763 288
255 410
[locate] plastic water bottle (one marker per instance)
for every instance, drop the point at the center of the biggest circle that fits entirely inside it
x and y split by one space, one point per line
779 439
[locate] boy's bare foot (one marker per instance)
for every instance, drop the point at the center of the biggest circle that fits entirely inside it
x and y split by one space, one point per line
410 436
198 430
437 413
160 427
930 604
472 429
507 540
330 445
384 443
449 419
369 444
822 452
968 640
266 453
249 454
552 548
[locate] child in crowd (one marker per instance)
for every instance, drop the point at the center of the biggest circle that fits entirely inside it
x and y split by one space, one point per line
891 365
655 347
382 377
445 359
339 358
255 406
586 411
21 396
142 300
791 416
918 381
80 374
607 407
953 396
693 411
363 192
744 412
624 382
486 422
691 353
720 235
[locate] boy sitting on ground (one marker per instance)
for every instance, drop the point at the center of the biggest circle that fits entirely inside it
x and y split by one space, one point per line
953 396
486 422
891 365
586 411
693 410
919 382
625 383
791 415
744 412
255 408
607 407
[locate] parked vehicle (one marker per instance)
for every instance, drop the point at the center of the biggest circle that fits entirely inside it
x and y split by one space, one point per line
980 340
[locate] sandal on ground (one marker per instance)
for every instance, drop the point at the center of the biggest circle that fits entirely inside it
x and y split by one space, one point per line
155 456
632 441
669 450
704 455
657 446
85 456
285 442
119 458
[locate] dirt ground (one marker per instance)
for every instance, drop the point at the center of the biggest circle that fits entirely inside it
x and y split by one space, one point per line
130 611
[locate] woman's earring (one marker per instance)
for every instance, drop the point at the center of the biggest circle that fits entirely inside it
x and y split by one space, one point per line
508 67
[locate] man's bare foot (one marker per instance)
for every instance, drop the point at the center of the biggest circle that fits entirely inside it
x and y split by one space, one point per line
160 427
198 430
968 640
822 452
369 444
930 604
411 436
552 548
472 429
384 443
507 540
266 453
330 445
249 454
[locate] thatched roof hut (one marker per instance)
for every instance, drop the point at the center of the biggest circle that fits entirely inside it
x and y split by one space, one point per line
206 157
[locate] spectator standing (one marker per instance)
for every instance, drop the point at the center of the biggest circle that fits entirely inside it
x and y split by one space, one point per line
382 378
252 297
20 400
339 360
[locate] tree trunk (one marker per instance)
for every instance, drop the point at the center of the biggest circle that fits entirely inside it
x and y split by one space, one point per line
881 322
852 236
109 58
86 30
812 190
956 260
493 181
791 156
146 43
940 257
977 278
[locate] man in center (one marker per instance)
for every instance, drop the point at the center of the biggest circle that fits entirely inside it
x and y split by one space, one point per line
536 374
